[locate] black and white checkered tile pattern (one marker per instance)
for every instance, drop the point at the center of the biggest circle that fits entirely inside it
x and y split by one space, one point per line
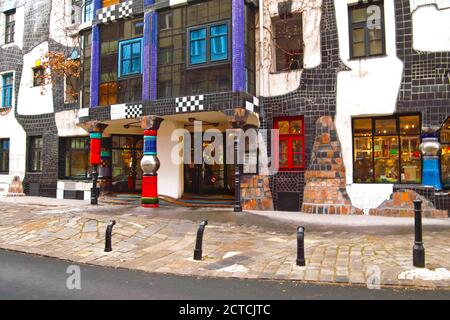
133 111
190 104
115 12
252 105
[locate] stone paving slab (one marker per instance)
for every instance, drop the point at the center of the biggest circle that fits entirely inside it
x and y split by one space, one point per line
165 245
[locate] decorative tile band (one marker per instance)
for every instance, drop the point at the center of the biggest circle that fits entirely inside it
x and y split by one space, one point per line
115 12
190 104
126 111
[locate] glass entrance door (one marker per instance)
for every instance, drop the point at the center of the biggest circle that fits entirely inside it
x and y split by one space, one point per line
126 158
207 178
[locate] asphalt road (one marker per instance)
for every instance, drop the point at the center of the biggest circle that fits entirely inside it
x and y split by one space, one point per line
37 278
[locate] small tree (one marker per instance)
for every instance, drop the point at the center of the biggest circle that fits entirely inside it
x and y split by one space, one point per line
55 66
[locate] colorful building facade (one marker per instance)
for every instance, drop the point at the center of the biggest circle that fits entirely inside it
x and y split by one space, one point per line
354 90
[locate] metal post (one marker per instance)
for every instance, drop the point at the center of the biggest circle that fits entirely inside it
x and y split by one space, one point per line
237 178
94 190
301 247
198 253
418 249
108 237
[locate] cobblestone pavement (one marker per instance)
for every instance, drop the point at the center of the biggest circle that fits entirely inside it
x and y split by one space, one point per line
165 245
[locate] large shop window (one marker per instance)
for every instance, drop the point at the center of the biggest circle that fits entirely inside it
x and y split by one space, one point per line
366 30
7 90
291 150
121 62
88 10
445 159
10 26
4 155
35 164
76 156
288 42
386 150
208 44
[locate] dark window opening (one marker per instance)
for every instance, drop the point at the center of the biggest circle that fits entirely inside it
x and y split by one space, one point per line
366 30
10 26
288 42
76 158
35 145
4 155
38 76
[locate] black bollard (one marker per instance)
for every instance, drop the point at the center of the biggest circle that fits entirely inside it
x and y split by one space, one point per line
108 237
198 253
418 249
301 247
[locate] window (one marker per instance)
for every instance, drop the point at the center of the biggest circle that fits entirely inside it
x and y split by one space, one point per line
88 11
7 90
38 76
76 153
130 53
291 149
386 149
35 164
208 44
10 26
288 42
165 56
177 77
197 48
166 21
121 58
366 30
4 155
219 42
445 158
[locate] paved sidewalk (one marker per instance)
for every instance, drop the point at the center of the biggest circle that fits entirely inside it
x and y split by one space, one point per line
246 246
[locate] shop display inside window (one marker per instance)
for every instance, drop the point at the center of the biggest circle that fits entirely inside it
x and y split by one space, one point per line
386 150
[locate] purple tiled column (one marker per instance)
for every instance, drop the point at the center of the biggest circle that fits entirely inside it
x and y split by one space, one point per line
238 45
154 56
146 67
95 58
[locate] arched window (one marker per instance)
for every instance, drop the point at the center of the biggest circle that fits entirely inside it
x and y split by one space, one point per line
445 158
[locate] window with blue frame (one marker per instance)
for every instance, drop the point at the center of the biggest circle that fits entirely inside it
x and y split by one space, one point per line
197 39
208 44
88 10
130 57
219 42
7 90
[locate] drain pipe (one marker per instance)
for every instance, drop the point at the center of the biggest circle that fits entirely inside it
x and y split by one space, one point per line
261 47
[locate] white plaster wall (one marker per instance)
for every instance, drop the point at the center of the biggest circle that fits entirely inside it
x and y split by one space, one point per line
431 29
31 99
61 27
170 175
66 124
10 128
371 88
275 84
